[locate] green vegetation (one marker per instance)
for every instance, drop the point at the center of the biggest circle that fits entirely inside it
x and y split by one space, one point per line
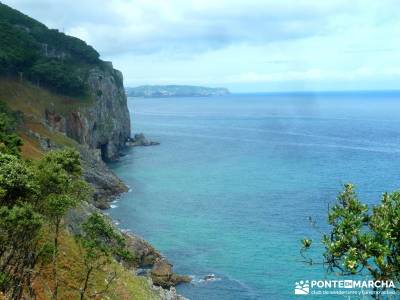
9 142
100 242
29 50
34 198
362 239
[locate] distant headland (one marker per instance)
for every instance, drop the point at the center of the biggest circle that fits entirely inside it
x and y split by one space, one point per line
149 91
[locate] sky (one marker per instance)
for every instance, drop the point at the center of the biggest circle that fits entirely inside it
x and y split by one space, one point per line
244 45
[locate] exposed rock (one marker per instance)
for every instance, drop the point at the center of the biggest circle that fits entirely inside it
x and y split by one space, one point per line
145 253
105 183
55 120
162 275
162 268
209 277
140 140
103 121
108 118
166 294
77 216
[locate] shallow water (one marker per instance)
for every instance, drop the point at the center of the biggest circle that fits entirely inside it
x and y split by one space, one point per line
230 188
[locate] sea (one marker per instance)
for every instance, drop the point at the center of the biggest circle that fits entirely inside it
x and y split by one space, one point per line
238 181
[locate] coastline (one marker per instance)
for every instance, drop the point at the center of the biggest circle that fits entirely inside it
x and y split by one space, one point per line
151 263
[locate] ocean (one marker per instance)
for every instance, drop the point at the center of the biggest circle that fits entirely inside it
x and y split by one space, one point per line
230 189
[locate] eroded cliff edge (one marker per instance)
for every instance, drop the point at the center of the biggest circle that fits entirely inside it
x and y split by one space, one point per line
104 124
67 96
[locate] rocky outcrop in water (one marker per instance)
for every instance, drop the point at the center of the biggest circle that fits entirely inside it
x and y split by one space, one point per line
162 274
140 140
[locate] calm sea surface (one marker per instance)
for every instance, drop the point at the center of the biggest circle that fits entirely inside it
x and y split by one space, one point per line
230 188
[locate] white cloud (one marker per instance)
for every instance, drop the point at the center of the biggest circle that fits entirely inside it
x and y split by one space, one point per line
235 41
144 26
362 73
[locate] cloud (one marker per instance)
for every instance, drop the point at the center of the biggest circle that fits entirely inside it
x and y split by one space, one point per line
310 75
261 43
149 26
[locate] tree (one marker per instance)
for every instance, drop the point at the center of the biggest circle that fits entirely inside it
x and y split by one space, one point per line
20 228
10 143
61 189
363 240
99 242
17 182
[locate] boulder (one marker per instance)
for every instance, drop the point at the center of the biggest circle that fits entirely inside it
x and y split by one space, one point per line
144 253
140 140
162 275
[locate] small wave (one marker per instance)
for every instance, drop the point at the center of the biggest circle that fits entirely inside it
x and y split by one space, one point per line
113 206
205 279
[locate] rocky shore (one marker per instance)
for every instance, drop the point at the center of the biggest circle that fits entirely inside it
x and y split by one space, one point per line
100 132
149 262
65 96
140 140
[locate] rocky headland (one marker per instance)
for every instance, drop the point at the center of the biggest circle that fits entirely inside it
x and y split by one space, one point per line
67 97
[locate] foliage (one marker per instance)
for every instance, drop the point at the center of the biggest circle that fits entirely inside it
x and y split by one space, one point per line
363 240
34 199
20 228
59 75
33 195
30 50
10 143
18 50
105 236
100 242
17 183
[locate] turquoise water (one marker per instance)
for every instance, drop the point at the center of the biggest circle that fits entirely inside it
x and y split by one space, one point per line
230 188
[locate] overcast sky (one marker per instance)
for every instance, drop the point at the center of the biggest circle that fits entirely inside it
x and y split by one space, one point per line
247 46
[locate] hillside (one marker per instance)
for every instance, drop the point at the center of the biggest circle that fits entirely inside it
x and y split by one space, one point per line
44 56
175 91
63 114
34 55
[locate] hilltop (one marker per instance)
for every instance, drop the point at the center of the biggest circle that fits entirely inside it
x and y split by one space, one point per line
149 91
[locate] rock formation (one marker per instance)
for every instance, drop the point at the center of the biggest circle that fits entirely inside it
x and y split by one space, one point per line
103 122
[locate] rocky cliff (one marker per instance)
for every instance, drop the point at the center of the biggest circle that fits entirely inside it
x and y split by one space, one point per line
66 96
94 110
104 124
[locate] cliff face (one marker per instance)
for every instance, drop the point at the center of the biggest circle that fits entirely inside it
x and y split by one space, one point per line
109 116
95 111
104 123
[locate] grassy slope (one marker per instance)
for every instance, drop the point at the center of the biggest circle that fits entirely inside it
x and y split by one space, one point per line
125 286
33 101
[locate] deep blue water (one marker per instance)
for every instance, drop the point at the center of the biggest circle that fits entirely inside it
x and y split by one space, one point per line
230 188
